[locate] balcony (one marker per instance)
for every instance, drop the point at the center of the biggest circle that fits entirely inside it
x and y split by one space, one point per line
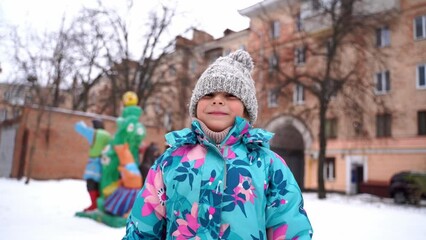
315 19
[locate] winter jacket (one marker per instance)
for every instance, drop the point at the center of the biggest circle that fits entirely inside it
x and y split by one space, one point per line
233 190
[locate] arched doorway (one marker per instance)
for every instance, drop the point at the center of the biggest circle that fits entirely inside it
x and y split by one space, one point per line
290 141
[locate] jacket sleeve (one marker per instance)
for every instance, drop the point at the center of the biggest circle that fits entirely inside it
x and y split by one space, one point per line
284 211
147 217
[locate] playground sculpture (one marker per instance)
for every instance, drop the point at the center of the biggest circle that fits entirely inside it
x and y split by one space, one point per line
121 179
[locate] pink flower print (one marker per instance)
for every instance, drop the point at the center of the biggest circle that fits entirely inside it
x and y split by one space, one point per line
223 228
212 210
154 194
230 154
211 180
197 154
231 140
182 151
245 187
187 228
280 232
245 129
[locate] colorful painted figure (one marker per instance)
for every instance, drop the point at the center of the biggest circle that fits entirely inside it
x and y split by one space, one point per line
98 138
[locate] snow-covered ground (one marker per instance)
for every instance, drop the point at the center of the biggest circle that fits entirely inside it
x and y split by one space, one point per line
45 210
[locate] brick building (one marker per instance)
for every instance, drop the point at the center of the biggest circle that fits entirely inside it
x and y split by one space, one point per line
54 150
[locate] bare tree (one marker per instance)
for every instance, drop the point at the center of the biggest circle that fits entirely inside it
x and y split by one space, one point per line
124 70
328 56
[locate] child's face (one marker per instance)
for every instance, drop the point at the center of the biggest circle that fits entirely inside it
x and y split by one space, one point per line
218 110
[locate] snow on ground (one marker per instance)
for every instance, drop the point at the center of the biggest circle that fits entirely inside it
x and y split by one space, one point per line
45 210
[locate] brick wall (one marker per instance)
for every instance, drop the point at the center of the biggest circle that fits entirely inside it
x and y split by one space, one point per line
58 150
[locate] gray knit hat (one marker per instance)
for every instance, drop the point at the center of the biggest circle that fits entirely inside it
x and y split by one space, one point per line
230 74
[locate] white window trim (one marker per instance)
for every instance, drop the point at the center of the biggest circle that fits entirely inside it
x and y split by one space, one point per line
272 99
418 75
299 22
329 177
385 39
423 17
276 28
383 91
273 62
300 51
298 94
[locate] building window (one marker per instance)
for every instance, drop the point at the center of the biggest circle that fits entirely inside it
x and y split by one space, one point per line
329 47
420 27
193 66
226 52
316 4
272 98
3 114
330 169
382 82
421 120
172 71
298 22
275 29
298 94
383 37
273 62
383 125
421 76
331 128
300 55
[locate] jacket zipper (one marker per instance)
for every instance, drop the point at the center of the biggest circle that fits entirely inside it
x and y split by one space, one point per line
225 170
217 148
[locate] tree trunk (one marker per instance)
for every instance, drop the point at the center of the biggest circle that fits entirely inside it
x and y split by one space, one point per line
322 150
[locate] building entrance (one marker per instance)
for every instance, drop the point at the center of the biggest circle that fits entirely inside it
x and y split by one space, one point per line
288 143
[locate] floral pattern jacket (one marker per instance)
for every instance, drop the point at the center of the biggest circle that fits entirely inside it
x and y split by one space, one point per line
234 190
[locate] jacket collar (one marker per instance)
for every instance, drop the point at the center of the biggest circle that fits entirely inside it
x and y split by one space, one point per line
240 131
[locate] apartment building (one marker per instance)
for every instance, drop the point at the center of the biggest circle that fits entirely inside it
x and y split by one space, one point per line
387 136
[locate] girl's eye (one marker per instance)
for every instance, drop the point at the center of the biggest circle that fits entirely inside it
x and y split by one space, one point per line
210 95
230 96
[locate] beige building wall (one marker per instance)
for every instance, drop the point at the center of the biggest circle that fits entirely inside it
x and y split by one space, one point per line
377 158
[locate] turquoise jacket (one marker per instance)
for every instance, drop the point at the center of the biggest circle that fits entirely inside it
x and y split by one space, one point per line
233 190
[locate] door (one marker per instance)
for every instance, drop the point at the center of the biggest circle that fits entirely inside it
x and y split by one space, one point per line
295 161
7 147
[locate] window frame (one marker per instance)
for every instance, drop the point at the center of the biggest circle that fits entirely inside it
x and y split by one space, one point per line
193 66
329 169
275 29
315 4
298 22
383 37
423 26
300 55
273 62
421 123
418 86
383 125
384 81
272 98
298 94
331 125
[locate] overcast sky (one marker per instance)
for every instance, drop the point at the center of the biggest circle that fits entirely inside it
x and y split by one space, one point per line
212 16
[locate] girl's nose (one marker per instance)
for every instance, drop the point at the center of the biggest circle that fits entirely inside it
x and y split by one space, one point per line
218 99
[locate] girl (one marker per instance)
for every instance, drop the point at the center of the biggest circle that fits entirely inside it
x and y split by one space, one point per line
219 179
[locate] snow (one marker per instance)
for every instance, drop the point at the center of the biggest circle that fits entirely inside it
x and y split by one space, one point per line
45 210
